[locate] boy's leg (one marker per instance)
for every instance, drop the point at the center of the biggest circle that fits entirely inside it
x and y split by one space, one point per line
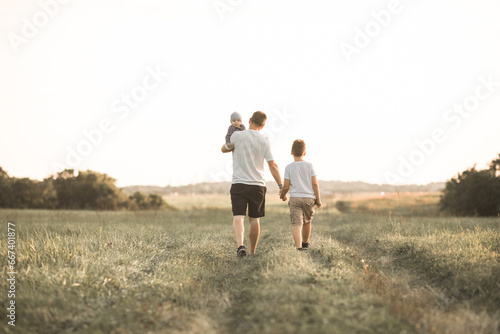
296 217
297 238
306 232
239 229
254 234
308 216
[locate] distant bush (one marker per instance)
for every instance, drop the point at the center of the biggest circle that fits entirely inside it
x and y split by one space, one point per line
343 206
88 190
474 192
140 201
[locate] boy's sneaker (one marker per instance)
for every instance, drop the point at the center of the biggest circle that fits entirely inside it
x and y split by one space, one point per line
301 249
241 251
305 245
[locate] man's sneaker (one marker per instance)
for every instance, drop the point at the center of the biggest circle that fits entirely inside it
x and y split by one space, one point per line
301 249
305 245
241 251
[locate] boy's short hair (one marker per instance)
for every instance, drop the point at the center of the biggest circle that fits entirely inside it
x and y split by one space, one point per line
258 118
298 147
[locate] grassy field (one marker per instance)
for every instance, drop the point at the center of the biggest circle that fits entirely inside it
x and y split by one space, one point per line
388 266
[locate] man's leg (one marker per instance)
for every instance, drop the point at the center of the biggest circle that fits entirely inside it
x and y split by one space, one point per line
254 234
239 229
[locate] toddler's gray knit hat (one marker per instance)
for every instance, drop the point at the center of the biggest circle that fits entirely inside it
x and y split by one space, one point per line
235 115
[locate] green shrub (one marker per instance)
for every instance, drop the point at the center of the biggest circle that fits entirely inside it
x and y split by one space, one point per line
473 192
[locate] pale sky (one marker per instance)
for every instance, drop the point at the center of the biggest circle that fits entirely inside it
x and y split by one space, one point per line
381 91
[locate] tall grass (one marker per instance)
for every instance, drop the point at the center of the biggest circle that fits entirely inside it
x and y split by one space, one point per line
442 274
177 271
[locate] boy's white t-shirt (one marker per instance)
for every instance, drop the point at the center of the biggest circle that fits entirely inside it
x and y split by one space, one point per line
300 174
251 148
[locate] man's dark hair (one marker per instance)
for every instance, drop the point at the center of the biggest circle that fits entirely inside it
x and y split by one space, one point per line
298 148
258 118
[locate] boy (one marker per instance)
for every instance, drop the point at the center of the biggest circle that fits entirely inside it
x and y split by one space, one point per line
300 179
235 126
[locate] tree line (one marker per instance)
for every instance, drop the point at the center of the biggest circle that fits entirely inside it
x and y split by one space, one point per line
88 190
471 193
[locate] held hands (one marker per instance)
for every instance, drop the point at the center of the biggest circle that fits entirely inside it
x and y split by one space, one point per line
283 197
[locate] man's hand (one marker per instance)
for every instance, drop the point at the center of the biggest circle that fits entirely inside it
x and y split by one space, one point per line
318 203
225 150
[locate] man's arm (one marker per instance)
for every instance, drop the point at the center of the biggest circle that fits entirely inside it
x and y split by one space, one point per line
315 186
225 150
275 172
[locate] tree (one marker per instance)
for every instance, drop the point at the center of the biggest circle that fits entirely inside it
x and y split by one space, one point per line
4 188
63 186
473 192
88 190
495 166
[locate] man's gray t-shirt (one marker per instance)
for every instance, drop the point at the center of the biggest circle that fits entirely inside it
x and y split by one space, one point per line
251 148
300 174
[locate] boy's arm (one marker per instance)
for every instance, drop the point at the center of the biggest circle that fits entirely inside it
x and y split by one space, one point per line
315 186
285 189
275 172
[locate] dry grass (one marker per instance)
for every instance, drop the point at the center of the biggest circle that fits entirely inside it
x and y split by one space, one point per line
388 204
176 272
441 274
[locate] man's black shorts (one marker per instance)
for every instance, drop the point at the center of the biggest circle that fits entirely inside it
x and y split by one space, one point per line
251 195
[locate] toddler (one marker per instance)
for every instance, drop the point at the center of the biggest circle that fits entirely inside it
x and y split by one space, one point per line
235 126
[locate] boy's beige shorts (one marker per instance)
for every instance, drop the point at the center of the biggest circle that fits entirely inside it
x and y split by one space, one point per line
301 210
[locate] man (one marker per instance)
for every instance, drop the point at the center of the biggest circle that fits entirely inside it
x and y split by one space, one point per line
250 148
